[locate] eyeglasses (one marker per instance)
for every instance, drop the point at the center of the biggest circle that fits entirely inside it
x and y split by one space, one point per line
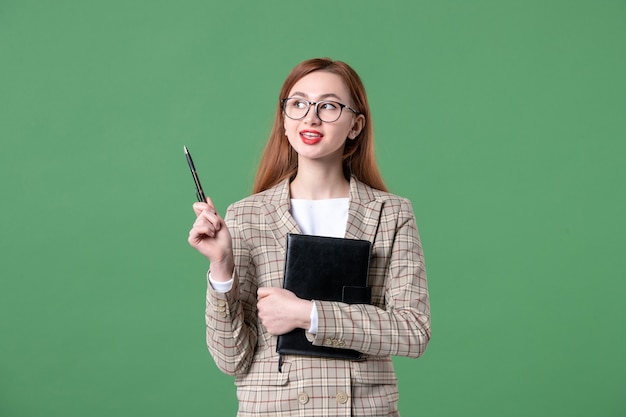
326 111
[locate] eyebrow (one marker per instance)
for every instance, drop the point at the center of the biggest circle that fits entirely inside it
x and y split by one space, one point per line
322 97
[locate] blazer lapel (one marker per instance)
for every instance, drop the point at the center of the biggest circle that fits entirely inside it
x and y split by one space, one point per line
363 212
278 215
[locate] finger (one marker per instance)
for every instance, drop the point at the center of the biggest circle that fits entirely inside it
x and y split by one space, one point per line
209 202
199 207
210 216
203 205
207 218
201 231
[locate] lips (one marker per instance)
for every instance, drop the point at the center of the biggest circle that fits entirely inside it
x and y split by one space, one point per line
311 137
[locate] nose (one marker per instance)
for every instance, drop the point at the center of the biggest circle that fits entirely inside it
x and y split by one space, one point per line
312 117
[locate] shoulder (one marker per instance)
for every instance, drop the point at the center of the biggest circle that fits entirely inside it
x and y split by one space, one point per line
365 193
272 197
251 200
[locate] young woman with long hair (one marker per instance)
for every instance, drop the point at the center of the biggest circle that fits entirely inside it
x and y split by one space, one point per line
317 176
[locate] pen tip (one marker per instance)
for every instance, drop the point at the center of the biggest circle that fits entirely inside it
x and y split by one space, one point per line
185 148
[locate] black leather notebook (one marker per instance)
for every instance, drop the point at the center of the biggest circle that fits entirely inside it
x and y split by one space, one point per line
325 269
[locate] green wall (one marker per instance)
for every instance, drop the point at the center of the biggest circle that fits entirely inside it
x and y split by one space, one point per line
504 122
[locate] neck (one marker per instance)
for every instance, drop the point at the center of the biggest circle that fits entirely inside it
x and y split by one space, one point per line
319 182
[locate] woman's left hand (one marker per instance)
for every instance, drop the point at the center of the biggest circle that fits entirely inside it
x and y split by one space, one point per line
281 311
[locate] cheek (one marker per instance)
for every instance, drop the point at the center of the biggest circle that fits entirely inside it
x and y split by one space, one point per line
290 133
289 128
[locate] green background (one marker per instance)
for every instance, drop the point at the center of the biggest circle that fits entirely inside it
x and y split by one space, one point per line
504 122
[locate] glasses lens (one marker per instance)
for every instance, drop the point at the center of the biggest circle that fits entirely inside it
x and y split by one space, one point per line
328 111
296 108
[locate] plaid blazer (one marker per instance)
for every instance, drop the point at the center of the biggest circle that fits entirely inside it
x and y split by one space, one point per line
396 323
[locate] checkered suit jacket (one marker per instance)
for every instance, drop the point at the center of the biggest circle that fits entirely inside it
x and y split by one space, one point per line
396 323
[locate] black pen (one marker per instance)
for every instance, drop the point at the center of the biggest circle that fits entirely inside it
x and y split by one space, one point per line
199 192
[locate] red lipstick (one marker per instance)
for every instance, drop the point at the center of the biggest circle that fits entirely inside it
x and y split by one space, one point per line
310 137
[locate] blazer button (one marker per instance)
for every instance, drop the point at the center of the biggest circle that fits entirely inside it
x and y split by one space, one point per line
342 397
303 398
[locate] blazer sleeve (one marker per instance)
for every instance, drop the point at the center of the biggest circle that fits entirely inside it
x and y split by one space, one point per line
400 324
231 331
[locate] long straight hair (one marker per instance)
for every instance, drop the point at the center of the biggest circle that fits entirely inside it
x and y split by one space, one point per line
279 161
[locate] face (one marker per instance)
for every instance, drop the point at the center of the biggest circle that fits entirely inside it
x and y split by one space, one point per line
312 138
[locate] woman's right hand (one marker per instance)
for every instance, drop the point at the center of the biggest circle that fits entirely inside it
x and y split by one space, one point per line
210 236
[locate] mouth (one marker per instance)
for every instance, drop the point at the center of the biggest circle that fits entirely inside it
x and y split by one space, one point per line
311 137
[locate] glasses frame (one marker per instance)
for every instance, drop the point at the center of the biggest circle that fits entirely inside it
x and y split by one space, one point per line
316 103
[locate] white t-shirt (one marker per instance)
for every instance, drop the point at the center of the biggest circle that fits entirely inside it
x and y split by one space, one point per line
321 217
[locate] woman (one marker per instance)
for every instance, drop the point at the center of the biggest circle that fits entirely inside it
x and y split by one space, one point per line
317 176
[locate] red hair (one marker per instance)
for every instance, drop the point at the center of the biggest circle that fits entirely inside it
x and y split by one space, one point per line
280 161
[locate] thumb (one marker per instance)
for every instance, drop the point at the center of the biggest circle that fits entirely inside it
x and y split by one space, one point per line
263 292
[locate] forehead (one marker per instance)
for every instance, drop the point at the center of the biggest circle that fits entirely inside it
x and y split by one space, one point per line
320 84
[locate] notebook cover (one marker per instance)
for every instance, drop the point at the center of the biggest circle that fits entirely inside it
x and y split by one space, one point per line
328 269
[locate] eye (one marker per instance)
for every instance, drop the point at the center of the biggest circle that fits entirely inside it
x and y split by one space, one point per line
299 104
328 105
